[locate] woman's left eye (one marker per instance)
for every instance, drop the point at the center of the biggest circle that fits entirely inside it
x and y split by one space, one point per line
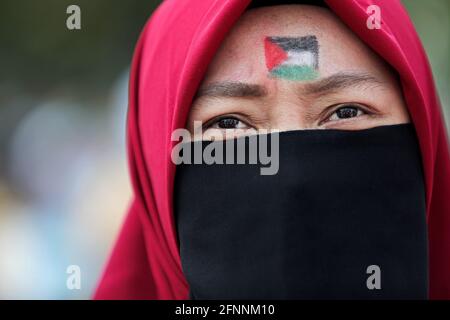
346 112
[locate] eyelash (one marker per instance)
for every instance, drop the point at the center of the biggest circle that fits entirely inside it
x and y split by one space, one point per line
335 108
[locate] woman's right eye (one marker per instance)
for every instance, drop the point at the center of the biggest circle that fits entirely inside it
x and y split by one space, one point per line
228 123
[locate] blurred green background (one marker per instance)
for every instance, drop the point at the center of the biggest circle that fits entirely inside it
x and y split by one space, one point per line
64 184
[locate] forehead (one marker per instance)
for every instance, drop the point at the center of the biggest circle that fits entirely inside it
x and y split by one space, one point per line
243 54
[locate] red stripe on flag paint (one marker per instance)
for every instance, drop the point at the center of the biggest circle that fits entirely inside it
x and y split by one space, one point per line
274 54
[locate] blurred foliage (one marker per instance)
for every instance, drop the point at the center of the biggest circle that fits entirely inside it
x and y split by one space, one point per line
431 19
39 52
40 58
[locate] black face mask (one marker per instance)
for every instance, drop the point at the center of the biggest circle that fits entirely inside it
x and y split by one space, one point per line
344 218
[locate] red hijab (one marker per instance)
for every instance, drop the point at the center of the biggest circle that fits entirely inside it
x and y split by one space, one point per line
170 59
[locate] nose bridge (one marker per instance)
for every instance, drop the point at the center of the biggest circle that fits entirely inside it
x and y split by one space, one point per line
287 108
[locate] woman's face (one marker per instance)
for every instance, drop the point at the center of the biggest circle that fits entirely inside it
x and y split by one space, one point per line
294 67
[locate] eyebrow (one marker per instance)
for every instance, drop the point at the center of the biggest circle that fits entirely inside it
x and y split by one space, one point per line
335 82
341 80
232 89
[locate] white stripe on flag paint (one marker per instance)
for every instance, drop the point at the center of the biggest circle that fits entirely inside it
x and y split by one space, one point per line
299 58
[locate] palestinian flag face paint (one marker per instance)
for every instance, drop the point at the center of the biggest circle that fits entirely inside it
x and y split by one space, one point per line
292 58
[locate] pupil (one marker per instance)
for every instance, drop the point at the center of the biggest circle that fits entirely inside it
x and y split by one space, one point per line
228 123
347 112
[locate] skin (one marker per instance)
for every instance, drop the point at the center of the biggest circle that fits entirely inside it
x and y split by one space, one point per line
354 88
